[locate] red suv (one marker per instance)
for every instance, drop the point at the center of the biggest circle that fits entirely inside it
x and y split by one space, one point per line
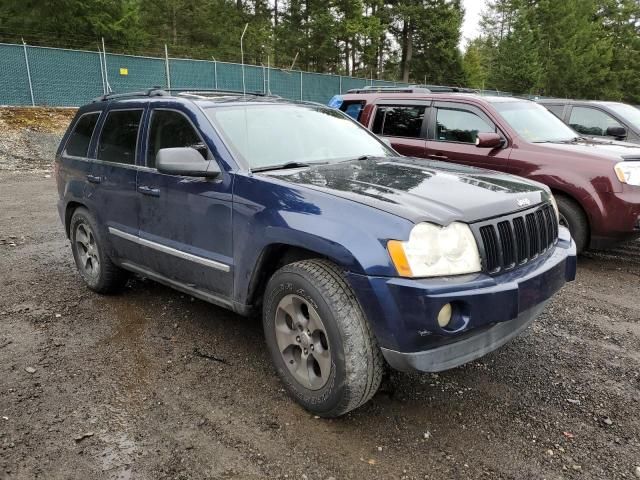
596 182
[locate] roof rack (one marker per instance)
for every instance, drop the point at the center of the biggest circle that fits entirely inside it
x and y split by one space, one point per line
164 92
389 89
412 89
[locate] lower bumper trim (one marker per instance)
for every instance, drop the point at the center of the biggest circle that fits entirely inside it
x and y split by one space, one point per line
466 350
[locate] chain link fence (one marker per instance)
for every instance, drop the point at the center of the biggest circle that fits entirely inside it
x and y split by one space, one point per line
59 77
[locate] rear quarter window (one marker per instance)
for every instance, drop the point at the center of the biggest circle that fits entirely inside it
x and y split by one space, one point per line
353 109
80 138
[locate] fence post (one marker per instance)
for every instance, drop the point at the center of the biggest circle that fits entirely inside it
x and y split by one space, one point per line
215 72
301 85
104 88
106 74
166 65
264 80
340 77
26 61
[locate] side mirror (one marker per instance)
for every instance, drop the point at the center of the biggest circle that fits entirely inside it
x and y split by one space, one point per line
489 140
185 161
617 132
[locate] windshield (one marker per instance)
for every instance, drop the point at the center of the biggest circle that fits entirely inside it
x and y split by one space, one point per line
627 112
534 123
275 135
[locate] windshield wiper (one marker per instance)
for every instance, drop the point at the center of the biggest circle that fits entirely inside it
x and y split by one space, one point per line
287 165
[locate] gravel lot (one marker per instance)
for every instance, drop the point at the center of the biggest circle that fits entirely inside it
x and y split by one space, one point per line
152 384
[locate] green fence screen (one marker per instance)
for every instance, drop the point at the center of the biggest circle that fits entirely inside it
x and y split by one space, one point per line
58 77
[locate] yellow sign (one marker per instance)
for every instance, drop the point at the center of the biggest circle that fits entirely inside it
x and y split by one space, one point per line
124 71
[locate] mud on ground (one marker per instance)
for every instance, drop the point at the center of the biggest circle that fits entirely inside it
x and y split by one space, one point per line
152 384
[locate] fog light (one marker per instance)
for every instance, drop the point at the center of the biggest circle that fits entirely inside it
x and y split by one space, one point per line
444 315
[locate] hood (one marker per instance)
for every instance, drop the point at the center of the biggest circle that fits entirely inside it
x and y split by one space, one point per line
600 148
422 190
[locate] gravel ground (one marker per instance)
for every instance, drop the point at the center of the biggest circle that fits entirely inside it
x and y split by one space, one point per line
152 384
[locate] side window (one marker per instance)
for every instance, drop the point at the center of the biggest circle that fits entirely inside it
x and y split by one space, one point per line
459 126
171 129
78 143
353 109
590 121
555 109
119 137
399 121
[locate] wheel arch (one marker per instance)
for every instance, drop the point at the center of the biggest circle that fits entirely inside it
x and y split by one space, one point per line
272 258
71 207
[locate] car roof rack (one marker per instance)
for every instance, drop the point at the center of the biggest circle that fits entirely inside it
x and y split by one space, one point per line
412 89
389 89
165 92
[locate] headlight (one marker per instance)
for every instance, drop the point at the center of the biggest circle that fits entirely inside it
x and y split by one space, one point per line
433 251
628 172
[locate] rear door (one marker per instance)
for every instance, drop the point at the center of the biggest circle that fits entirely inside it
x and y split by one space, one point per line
452 132
403 124
185 222
113 177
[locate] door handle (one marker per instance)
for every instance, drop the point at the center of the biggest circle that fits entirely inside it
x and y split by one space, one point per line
439 156
145 190
94 179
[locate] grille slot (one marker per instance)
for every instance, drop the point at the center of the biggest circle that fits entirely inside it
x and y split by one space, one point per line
517 239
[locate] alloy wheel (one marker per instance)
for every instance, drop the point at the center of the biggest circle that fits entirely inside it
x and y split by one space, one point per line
302 341
89 259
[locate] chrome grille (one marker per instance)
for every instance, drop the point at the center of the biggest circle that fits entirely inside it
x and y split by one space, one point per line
514 240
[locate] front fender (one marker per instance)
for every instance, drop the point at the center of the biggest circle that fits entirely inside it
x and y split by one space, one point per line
269 212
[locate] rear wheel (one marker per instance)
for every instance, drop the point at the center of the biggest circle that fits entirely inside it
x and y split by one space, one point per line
94 265
319 339
573 217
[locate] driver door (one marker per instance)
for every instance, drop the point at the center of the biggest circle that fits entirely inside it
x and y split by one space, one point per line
453 128
185 222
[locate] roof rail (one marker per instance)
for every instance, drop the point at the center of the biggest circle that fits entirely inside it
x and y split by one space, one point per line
413 89
149 92
163 92
389 89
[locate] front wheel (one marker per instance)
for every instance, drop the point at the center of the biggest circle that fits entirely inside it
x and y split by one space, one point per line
320 341
573 217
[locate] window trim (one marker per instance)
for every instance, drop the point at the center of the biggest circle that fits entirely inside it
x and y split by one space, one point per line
140 124
465 107
64 153
402 103
601 110
210 155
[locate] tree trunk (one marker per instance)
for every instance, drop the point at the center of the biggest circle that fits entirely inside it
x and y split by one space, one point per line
347 56
275 13
407 50
174 26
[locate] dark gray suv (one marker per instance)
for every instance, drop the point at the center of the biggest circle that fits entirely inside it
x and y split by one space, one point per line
612 120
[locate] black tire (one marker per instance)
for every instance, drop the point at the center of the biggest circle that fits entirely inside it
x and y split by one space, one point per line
107 277
573 217
356 361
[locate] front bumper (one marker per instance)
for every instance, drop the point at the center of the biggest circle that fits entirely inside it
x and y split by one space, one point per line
488 311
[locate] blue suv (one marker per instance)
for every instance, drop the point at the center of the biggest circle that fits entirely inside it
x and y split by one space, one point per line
355 256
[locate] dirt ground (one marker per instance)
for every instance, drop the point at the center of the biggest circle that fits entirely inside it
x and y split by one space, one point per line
152 384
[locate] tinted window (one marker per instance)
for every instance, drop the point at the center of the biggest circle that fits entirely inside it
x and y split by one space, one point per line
590 121
555 109
78 143
171 129
459 126
119 137
353 109
399 121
